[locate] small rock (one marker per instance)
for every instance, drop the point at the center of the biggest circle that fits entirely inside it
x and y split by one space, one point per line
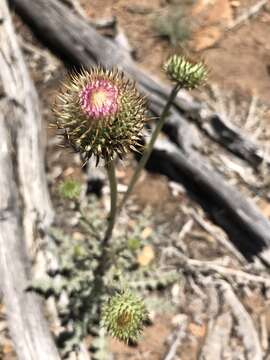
179 319
69 171
235 3
77 236
146 232
55 173
146 256
139 9
206 38
176 290
197 330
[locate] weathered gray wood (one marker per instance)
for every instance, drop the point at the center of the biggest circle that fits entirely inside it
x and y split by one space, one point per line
27 126
25 206
221 131
79 44
228 207
245 325
29 329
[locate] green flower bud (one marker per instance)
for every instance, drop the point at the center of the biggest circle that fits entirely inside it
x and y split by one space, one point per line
188 74
101 112
123 316
70 189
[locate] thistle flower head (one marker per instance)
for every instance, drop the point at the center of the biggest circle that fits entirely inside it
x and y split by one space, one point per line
188 74
70 189
123 316
101 112
99 99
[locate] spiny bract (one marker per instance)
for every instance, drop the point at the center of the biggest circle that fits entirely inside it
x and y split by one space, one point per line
123 316
70 189
188 74
101 112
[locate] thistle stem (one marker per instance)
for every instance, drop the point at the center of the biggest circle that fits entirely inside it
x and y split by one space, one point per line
103 260
113 194
150 145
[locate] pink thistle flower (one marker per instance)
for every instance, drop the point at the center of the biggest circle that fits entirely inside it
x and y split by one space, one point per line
101 112
99 99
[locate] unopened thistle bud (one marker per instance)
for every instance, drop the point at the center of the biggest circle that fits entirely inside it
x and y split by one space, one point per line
188 74
70 189
101 112
123 316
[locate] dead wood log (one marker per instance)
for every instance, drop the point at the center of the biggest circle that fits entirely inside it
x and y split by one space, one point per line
28 326
217 340
77 43
25 207
177 339
224 133
248 228
27 127
245 326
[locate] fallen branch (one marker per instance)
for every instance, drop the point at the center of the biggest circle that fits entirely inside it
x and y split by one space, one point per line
264 332
27 127
231 138
227 206
25 208
245 326
195 266
217 339
239 275
252 11
29 329
178 337
218 235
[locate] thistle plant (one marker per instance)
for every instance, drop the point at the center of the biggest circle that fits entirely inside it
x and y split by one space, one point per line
83 311
102 114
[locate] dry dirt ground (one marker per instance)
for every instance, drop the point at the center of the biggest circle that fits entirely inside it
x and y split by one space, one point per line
239 59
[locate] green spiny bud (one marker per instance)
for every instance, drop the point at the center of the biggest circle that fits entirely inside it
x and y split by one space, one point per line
101 112
188 74
70 189
133 244
123 316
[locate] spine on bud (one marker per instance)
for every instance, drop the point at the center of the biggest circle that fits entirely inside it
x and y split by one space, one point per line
123 316
101 113
187 74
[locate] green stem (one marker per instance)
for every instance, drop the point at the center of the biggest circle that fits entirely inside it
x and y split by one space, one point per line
113 194
150 146
103 259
